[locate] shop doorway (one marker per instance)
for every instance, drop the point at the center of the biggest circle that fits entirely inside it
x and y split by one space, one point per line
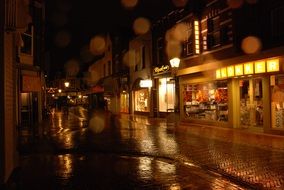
166 95
29 109
251 102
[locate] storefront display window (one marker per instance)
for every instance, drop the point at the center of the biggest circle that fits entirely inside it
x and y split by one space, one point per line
277 105
251 105
142 100
166 95
206 101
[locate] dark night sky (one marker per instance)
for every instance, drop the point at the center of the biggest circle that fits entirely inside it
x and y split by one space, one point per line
75 22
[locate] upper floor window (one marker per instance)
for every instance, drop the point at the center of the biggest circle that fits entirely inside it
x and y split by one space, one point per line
216 28
140 58
27 37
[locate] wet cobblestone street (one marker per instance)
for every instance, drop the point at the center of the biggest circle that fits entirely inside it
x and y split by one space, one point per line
103 152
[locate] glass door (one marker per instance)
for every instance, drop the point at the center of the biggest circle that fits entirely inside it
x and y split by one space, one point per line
166 95
251 105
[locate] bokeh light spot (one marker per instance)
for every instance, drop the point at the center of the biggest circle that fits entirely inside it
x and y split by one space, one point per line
141 26
181 32
62 39
173 49
251 44
72 67
234 4
97 45
179 3
97 123
129 4
129 58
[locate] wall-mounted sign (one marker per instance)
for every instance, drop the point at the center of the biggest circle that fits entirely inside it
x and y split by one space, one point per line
161 70
257 67
146 83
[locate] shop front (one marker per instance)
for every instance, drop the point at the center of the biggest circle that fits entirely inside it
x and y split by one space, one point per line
257 94
141 96
244 95
166 99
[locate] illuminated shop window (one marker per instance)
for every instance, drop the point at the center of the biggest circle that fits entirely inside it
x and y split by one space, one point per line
142 100
166 95
206 101
277 104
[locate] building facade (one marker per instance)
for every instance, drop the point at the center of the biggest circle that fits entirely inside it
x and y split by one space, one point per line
236 78
139 60
21 51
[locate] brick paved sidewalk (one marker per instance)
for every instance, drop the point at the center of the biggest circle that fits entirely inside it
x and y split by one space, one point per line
252 158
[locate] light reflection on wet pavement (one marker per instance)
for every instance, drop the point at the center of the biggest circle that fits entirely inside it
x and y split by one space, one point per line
126 154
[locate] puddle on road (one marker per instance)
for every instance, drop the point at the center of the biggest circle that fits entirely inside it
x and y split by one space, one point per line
110 171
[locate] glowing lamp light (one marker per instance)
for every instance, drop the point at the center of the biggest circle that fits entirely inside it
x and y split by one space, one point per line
224 72
248 68
259 67
175 62
218 74
66 84
272 65
239 70
230 71
59 90
146 83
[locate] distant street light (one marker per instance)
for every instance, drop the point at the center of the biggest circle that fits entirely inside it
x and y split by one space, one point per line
66 84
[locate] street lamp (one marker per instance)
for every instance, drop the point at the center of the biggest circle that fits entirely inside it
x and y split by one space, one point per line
66 84
175 62
174 65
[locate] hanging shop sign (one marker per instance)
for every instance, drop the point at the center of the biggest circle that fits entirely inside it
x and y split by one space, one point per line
257 67
161 70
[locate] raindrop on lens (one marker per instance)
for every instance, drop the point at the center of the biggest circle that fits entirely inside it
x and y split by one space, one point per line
97 45
129 4
141 26
234 4
251 44
179 3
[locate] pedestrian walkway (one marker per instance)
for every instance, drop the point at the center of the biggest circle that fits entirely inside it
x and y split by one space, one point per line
250 157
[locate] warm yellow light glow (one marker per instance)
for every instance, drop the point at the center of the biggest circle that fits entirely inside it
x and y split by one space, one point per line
259 67
175 62
248 68
224 72
239 70
196 31
272 65
196 23
146 83
230 71
218 74
66 84
59 90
